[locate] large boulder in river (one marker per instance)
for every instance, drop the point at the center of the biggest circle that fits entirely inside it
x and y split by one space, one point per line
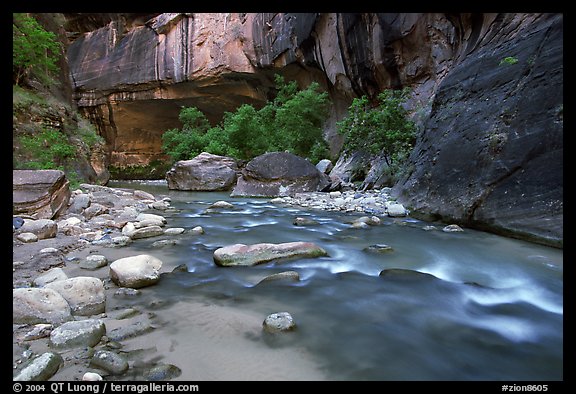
279 174
205 172
43 194
248 255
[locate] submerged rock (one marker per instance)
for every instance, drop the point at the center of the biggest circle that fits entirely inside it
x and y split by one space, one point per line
405 274
248 255
279 322
291 276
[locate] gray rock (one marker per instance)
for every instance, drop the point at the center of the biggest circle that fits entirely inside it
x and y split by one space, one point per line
95 210
136 271
82 333
279 322
162 372
27 237
144 232
324 166
41 368
379 248
205 172
291 276
52 275
452 228
43 194
396 210
130 330
39 305
248 255
198 230
174 231
405 274
41 330
304 221
94 262
43 228
150 219
110 362
279 174
221 205
79 203
127 292
84 294
164 242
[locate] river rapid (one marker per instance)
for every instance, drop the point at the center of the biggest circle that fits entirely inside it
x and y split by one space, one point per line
493 309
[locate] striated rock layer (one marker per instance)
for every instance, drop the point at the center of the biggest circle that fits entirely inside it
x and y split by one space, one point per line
490 150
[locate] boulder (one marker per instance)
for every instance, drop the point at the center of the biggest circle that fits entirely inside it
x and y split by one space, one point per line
39 305
82 333
205 172
43 194
84 294
290 276
248 255
52 275
136 271
41 369
279 174
131 231
109 361
325 166
42 228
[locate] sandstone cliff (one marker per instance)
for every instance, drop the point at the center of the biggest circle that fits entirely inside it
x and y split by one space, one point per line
490 149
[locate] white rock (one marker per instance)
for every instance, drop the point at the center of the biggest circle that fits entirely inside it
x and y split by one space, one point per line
84 294
91 377
279 322
136 271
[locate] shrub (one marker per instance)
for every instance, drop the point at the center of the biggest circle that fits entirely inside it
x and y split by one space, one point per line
48 150
291 122
381 130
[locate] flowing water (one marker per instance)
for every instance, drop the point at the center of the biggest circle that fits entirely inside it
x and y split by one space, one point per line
493 312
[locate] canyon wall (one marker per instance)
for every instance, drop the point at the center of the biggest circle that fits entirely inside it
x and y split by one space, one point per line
486 94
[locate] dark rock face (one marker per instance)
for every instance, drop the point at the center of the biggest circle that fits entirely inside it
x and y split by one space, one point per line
491 153
279 174
205 172
43 194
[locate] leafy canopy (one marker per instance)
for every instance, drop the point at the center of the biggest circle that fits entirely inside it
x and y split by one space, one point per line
33 48
291 122
384 129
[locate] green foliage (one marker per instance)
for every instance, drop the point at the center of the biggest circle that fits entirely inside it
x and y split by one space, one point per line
291 122
382 130
508 60
33 48
49 150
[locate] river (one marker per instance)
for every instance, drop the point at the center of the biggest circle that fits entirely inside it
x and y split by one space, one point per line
492 311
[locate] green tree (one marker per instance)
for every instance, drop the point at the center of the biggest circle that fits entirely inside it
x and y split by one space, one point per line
292 121
190 141
34 50
381 130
